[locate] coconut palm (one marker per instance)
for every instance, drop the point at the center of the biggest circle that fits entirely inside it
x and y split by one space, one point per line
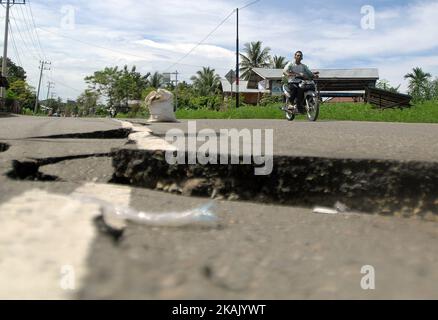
255 57
206 81
156 80
418 83
278 62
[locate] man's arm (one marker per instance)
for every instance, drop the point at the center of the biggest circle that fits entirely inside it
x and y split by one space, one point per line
288 72
309 74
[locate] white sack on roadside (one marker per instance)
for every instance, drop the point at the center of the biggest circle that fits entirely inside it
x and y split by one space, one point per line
160 104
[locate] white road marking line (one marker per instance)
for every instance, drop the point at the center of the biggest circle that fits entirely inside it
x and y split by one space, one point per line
46 239
144 139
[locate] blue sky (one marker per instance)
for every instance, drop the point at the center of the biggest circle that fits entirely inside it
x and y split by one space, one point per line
80 36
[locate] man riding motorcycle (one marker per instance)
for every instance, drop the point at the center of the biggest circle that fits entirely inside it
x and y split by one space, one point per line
295 72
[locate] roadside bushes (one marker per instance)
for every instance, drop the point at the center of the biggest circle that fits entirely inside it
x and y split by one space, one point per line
268 99
188 99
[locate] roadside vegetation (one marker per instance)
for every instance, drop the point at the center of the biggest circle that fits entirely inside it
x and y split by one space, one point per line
423 112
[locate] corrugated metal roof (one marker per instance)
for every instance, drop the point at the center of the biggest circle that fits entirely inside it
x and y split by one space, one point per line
357 73
269 73
360 73
243 87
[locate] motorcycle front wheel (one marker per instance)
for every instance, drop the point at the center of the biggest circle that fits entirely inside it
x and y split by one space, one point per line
290 116
312 108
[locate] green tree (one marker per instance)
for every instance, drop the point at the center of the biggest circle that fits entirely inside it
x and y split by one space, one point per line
130 85
156 80
87 103
206 82
255 57
104 83
434 89
278 62
14 72
25 94
118 85
419 87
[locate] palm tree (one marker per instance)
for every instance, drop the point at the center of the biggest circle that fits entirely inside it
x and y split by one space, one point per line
278 62
255 57
418 83
156 80
206 81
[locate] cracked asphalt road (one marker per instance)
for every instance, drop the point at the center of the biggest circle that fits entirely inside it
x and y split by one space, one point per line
258 251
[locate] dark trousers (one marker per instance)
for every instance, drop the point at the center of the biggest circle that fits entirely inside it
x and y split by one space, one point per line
298 93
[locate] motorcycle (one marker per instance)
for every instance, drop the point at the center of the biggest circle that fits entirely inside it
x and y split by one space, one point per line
311 99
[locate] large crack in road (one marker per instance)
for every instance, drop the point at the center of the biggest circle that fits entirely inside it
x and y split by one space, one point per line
30 169
39 168
365 185
3 147
121 133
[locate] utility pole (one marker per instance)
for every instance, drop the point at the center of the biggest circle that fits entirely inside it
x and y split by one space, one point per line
52 97
50 85
176 91
42 68
168 79
237 59
8 5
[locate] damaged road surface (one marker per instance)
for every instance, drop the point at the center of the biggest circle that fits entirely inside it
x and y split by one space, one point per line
267 243
357 169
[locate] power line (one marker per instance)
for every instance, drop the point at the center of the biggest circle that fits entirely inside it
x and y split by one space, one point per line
109 49
202 41
90 44
22 38
30 34
208 35
66 86
249 4
63 84
15 48
36 31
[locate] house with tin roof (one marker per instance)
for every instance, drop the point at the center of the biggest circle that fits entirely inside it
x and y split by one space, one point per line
333 84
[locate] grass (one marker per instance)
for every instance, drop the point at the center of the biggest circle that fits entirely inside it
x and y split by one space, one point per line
426 112
244 112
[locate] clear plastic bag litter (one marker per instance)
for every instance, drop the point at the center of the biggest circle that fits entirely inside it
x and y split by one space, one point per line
199 215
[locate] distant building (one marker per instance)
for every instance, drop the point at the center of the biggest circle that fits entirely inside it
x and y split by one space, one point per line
334 85
248 95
